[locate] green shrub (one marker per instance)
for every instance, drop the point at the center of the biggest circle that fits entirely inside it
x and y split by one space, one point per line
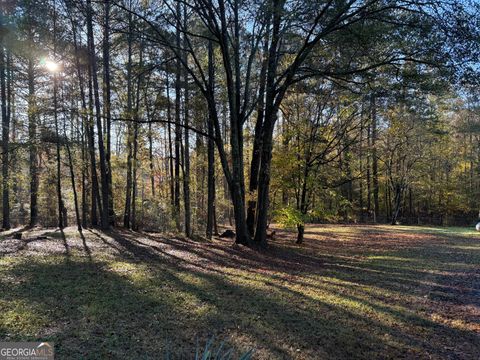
289 217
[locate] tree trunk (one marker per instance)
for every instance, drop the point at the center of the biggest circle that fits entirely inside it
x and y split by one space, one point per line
128 190
300 233
215 225
272 103
170 145
5 143
14 128
84 177
186 165
72 179
210 153
264 181
237 183
210 184
85 135
135 146
397 205
303 205
150 158
134 176
61 210
101 149
32 139
257 147
95 192
360 160
369 164
388 201
107 108
374 161
178 129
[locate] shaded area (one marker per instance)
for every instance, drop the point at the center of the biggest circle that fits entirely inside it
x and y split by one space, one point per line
359 292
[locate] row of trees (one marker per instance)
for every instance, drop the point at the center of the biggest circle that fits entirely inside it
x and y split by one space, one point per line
168 114
410 157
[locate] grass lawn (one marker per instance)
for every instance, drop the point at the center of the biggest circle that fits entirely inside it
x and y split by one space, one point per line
367 292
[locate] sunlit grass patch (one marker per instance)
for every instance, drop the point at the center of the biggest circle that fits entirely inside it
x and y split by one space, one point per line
385 258
20 319
464 231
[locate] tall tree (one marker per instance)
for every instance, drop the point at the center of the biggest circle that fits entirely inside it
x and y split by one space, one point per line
62 221
186 165
210 150
129 112
178 129
98 115
5 136
107 106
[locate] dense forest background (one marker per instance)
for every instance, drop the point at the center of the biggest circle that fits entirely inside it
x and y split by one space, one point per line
181 115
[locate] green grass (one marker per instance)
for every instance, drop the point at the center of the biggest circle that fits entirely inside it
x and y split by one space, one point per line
367 292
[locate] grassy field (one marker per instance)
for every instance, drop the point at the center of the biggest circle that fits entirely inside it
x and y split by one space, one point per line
366 292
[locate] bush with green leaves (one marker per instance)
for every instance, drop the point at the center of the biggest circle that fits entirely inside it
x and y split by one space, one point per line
289 217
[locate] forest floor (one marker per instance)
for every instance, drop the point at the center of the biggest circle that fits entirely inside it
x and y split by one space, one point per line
366 292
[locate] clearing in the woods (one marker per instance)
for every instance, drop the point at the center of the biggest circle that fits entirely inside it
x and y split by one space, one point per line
367 292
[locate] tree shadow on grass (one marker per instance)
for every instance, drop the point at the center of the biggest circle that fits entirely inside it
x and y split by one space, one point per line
275 258
93 312
286 263
163 292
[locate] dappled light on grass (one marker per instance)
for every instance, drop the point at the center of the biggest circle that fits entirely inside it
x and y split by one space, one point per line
387 293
